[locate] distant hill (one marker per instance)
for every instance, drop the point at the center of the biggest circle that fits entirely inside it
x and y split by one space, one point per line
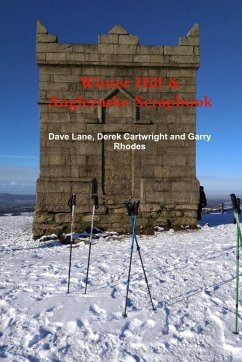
14 203
18 203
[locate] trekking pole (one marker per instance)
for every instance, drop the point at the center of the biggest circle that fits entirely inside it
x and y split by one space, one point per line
133 212
237 284
71 203
133 223
146 280
94 207
236 207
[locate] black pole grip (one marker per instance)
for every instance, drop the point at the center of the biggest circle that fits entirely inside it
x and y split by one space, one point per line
234 202
95 192
95 201
94 186
72 200
128 206
136 207
238 205
132 208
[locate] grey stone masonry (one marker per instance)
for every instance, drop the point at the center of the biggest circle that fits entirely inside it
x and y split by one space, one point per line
162 176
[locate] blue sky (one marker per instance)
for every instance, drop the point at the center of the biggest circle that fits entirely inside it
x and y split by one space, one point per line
156 23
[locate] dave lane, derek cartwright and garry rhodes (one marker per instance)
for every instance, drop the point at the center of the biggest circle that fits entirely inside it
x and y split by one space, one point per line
130 137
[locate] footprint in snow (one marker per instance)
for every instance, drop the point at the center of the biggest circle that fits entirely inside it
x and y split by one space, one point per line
95 309
104 267
72 325
43 333
114 292
50 311
132 329
150 323
86 330
117 291
166 311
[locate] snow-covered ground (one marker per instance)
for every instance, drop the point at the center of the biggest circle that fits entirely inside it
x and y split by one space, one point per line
192 281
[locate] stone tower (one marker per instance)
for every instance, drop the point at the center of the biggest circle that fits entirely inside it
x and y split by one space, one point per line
162 176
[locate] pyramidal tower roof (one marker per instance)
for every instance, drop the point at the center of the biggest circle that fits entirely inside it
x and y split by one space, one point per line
118 29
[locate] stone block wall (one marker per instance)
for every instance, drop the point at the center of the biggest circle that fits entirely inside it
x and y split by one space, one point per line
163 176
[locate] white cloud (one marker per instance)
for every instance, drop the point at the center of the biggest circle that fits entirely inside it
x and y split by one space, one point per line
19 156
221 184
18 179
